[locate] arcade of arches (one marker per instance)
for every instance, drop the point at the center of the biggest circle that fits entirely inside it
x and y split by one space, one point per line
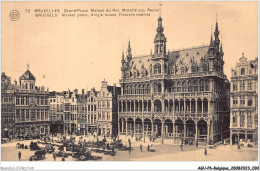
167 128
188 106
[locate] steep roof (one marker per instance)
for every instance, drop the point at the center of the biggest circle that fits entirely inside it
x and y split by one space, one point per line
27 76
185 57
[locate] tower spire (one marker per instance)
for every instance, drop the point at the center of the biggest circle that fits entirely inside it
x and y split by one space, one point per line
28 65
129 51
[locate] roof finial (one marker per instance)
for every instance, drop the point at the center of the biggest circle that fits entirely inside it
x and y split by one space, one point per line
160 13
216 17
243 54
28 65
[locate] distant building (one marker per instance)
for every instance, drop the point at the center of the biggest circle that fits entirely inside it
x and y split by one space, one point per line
244 102
31 107
56 111
181 94
91 112
7 107
107 110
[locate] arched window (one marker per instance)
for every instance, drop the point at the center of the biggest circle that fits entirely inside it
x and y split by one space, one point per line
165 69
201 85
195 85
243 71
190 86
159 88
250 102
174 86
206 85
184 89
178 86
157 69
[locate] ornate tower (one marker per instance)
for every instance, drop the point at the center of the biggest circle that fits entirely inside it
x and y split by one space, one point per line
160 40
129 53
217 41
123 66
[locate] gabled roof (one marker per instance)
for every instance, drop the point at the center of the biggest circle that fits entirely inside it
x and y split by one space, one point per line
27 76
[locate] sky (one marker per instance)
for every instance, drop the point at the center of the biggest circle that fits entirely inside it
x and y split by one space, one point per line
68 53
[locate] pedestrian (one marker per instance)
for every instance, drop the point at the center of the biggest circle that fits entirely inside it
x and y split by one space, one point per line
54 156
63 159
148 148
197 144
181 146
141 147
205 152
130 150
19 155
238 146
113 149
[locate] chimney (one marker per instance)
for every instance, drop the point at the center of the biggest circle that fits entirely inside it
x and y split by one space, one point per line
82 91
15 82
75 91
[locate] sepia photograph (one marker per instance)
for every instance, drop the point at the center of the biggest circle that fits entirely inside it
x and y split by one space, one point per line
113 81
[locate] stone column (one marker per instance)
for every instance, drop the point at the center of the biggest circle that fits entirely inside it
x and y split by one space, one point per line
163 107
173 130
196 107
208 139
184 131
118 127
70 127
212 133
130 108
190 105
162 131
126 128
184 105
134 128
246 136
231 142
152 128
162 86
202 110
196 133
143 128
168 107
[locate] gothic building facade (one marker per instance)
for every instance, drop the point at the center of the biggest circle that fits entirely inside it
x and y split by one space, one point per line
244 103
7 107
31 107
176 95
107 115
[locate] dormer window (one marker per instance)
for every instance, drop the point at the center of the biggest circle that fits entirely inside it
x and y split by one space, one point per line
182 70
243 71
157 69
193 68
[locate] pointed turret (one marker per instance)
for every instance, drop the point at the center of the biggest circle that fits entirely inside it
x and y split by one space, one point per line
129 53
160 39
123 57
216 33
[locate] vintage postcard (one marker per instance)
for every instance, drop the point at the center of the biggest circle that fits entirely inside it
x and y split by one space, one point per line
129 81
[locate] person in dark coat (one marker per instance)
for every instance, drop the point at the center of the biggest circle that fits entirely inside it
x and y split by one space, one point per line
130 150
19 155
181 146
141 147
205 152
148 148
